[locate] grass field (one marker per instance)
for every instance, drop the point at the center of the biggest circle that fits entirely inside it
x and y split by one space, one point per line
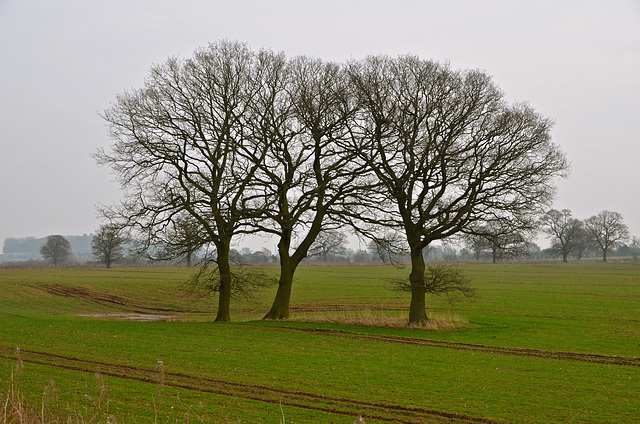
540 343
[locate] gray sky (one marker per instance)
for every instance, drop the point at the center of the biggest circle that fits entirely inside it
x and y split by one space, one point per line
62 62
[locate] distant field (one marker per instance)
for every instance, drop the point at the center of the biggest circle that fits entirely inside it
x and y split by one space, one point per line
540 343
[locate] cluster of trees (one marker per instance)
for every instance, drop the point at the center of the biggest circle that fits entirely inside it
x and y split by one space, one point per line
404 151
604 234
601 232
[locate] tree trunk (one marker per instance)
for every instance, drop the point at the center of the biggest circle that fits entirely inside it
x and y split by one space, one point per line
564 257
224 298
280 307
417 308
604 255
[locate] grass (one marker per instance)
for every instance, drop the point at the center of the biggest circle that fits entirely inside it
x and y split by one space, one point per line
345 352
382 318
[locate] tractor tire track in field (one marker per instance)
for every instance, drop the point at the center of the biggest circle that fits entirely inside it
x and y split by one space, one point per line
514 351
104 299
381 411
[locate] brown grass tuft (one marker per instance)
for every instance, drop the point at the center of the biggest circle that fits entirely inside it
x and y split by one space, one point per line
384 319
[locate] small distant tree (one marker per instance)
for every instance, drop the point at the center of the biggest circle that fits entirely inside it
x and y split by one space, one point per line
263 255
56 249
634 247
107 244
181 239
477 245
583 242
500 239
564 230
607 230
331 242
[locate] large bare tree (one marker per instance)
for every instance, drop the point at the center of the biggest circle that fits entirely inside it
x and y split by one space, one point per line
448 152
606 230
307 176
175 151
564 230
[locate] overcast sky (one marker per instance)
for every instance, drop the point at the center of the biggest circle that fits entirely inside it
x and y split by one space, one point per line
63 62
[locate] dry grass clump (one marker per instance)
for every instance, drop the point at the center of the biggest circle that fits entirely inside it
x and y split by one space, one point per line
15 408
437 321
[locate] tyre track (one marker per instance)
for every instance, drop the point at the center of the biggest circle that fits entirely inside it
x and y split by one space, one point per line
381 411
108 300
513 351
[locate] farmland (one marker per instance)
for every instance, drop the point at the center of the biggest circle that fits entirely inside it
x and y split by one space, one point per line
539 343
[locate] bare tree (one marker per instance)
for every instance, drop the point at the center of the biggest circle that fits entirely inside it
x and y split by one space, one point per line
331 242
447 152
181 239
477 244
500 239
564 230
175 152
56 249
107 244
298 120
634 247
607 230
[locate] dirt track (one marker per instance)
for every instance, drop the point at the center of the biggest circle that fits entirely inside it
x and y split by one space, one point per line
515 351
387 412
109 300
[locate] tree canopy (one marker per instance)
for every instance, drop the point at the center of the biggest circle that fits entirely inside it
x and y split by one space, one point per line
56 249
606 230
406 150
448 153
107 244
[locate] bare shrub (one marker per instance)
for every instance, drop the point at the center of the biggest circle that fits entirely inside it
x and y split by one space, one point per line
447 281
245 280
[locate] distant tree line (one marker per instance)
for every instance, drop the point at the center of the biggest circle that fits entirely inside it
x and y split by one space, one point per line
568 236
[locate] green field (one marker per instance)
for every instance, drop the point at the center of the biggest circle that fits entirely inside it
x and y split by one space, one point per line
540 343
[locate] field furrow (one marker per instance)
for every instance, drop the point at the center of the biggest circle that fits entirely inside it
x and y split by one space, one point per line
514 351
386 412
